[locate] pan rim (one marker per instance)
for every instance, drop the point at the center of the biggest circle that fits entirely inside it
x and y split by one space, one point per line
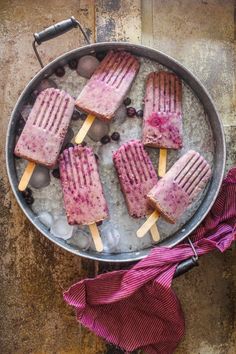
177 67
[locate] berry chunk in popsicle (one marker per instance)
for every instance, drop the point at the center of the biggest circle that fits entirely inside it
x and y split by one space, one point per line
137 176
175 192
84 200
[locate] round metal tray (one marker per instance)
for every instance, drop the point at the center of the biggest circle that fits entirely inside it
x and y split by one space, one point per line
199 91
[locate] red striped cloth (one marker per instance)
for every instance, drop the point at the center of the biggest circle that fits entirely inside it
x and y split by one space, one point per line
136 308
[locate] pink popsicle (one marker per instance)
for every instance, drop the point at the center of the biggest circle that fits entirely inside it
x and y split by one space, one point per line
136 175
162 126
174 193
46 127
105 91
84 200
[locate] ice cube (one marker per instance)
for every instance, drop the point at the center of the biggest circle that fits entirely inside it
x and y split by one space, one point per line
105 153
81 239
120 114
26 111
40 177
87 65
69 136
60 228
46 218
110 238
98 130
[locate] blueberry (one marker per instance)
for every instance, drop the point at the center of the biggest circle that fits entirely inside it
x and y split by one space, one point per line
100 56
139 113
115 136
83 143
33 96
83 116
29 200
27 193
76 115
68 145
73 64
99 223
60 71
105 139
130 111
96 157
56 173
127 101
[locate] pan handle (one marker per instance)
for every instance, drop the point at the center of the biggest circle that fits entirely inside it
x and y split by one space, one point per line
185 266
55 31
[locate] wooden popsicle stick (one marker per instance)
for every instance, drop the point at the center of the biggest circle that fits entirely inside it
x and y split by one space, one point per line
84 129
24 181
162 162
151 220
96 237
155 233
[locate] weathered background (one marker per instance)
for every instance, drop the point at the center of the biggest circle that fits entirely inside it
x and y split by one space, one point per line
199 33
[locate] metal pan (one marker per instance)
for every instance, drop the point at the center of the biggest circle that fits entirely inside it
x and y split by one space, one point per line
144 52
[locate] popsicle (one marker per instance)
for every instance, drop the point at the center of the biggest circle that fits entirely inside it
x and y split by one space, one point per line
84 200
106 89
136 176
162 126
175 192
42 137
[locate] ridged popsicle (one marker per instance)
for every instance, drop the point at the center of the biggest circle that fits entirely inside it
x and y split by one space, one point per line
84 200
162 125
136 175
46 127
105 91
174 193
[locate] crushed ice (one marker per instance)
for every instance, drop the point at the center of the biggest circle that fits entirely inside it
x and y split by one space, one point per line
110 238
26 111
81 239
45 218
120 115
60 227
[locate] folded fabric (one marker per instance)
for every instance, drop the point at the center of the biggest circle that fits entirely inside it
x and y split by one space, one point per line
136 308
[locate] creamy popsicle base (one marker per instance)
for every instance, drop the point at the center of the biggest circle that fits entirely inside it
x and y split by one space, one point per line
136 175
82 189
46 127
162 125
173 194
105 91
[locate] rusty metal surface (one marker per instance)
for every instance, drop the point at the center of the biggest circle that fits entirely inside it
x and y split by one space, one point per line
33 316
